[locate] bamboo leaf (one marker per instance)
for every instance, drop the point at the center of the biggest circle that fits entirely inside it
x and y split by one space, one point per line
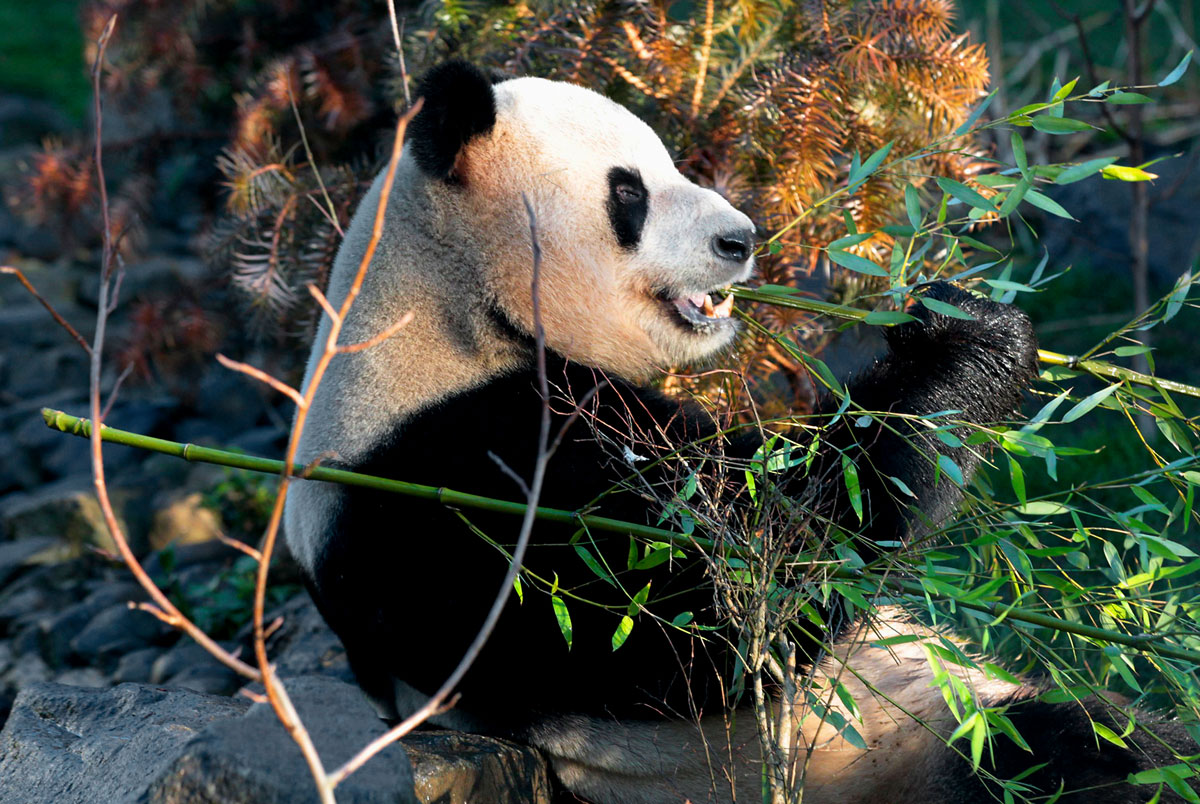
867 168
622 633
1178 72
1083 170
850 476
855 263
1014 197
563 616
887 318
1018 147
969 123
1047 204
1060 125
945 309
1126 173
947 465
593 564
1065 91
912 205
965 194
1092 400
1128 98
851 240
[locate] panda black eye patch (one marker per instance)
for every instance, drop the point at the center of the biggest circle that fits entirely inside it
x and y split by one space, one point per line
627 205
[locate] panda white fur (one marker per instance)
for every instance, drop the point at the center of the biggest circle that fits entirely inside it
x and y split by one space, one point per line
630 249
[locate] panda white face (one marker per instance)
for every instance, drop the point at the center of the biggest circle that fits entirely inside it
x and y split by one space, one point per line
631 250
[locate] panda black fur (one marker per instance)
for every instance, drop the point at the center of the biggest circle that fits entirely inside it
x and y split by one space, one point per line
626 243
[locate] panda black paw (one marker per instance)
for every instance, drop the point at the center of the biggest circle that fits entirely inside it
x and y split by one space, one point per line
999 331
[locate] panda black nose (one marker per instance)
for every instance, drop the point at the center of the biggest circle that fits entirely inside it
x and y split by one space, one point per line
735 246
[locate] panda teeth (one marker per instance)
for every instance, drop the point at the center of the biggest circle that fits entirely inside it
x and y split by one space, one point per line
725 308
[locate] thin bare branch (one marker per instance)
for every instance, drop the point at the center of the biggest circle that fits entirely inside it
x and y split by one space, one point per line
62 322
399 39
262 376
112 395
378 338
331 213
324 302
276 693
239 545
165 609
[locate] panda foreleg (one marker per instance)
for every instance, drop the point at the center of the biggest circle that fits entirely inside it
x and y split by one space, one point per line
976 370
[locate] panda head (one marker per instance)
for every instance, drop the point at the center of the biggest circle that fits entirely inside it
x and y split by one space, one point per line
631 249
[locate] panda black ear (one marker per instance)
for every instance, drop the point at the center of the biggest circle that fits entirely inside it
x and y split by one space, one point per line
459 105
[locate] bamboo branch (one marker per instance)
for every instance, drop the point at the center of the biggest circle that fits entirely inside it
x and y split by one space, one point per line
1096 368
74 425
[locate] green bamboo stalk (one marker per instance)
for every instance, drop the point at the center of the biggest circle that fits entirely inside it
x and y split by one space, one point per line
74 425
1097 368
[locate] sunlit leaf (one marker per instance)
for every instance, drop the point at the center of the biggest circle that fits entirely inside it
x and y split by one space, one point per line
622 633
563 616
1178 72
1084 406
1126 173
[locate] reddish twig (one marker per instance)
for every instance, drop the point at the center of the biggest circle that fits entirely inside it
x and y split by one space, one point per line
62 322
161 607
378 338
262 376
276 693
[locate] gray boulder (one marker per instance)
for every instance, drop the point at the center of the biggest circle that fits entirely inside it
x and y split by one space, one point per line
135 743
69 744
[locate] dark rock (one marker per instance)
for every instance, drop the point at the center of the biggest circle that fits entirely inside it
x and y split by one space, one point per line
136 666
43 588
84 677
28 640
67 744
44 369
214 679
303 644
116 630
181 658
14 555
108 593
186 564
67 511
57 631
453 766
18 470
26 669
27 327
253 759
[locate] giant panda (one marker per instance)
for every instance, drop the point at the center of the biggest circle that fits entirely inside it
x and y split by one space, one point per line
631 254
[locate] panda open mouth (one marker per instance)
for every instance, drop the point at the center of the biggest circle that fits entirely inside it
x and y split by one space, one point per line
697 312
